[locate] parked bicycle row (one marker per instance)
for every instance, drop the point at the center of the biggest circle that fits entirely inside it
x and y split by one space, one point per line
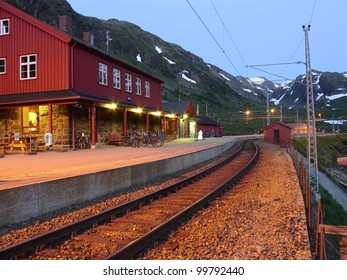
143 139
138 138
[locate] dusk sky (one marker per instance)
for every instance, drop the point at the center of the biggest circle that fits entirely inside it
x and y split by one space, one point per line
236 34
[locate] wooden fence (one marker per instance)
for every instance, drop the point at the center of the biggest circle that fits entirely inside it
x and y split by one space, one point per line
317 229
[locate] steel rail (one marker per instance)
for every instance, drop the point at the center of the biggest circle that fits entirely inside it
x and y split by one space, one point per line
64 232
135 247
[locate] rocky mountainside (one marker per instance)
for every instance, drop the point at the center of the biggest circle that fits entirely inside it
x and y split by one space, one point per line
187 76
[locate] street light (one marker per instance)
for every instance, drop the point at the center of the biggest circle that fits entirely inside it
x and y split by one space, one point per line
248 112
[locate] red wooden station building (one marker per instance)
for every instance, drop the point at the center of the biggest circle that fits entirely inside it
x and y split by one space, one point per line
278 133
52 82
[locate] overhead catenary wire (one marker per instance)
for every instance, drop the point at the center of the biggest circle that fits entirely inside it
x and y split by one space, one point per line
302 38
313 9
226 29
213 37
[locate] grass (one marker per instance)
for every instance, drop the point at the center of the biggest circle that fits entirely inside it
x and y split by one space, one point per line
329 148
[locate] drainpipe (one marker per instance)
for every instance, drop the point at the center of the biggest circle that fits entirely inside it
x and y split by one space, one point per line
71 76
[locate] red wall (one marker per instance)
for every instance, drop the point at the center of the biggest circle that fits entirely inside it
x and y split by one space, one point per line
207 129
63 64
86 79
284 132
25 39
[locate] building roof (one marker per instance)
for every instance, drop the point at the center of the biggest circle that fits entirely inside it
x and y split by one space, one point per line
278 123
36 22
180 108
68 38
205 120
63 96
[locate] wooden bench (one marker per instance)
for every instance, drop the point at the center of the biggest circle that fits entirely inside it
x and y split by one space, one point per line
18 144
114 138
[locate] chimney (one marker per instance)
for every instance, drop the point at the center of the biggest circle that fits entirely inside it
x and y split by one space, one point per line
88 37
65 24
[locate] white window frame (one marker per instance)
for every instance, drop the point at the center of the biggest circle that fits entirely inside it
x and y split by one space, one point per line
138 85
147 89
102 74
128 87
116 78
3 66
4 28
28 67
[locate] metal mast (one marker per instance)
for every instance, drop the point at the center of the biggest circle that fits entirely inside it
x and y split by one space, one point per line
267 109
108 39
311 120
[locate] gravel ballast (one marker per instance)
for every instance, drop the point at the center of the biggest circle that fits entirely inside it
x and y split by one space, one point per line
262 217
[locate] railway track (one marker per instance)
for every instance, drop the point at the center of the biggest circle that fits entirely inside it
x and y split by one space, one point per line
128 229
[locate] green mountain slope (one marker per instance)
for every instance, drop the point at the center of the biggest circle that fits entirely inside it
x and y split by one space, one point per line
186 76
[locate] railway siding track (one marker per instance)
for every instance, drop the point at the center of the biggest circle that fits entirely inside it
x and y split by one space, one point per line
126 230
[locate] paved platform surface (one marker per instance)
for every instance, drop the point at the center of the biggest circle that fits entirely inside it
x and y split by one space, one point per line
18 169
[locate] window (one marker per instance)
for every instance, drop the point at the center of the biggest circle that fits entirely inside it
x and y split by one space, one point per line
4 26
128 82
2 65
30 119
28 67
147 89
116 78
102 74
138 86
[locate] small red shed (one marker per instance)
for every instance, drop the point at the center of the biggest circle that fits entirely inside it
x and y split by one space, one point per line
278 133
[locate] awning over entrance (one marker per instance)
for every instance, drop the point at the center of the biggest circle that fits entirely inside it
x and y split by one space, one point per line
67 96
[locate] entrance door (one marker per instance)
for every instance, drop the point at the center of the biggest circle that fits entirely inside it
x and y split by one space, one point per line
277 137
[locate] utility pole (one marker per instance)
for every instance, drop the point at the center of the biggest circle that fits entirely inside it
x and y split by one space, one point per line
311 119
108 39
267 109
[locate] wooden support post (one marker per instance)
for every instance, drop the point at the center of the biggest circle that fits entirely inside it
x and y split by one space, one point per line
73 131
147 121
93 124
50 118
125 123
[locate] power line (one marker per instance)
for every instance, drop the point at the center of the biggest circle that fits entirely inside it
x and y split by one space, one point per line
209 31
267 72
228 32
314 6
302 38
290 60
274 64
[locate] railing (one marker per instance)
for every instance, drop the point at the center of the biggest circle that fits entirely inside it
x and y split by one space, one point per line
317 228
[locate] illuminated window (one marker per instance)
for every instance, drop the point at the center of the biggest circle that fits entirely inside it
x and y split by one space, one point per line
28 67
4 26
102 74
2 65
138 86
30 119
116 78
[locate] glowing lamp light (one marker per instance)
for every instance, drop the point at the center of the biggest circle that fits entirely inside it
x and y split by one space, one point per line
158 113
138 110
111 106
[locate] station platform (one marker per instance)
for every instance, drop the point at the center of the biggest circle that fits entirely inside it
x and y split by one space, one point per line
33 185
19 169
